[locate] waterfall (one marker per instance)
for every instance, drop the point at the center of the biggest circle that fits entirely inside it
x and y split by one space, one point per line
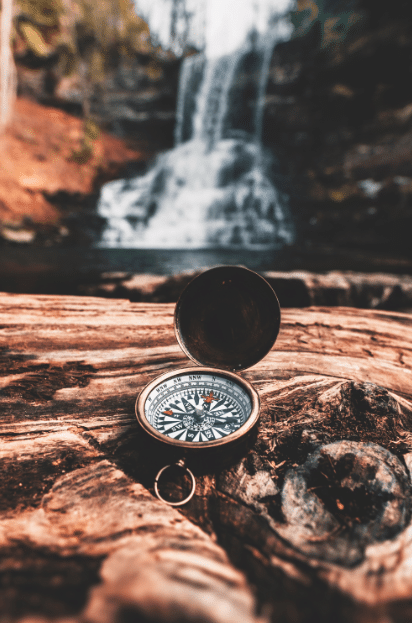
269 43
189 83
214 188
213 98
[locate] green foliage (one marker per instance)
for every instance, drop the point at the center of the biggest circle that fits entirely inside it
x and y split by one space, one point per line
112 23
43 12
87 32
84 41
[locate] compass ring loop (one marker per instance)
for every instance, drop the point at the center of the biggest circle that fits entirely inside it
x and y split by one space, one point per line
192 489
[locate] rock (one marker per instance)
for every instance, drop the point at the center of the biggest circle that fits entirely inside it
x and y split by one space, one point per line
144 287
20 235
341 288
338 117
293 288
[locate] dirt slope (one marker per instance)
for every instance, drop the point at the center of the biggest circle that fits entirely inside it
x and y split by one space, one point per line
45 151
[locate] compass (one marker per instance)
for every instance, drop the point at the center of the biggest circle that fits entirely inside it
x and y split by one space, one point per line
226 320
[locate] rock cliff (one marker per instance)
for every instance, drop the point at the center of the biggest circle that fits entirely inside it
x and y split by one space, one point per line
339 118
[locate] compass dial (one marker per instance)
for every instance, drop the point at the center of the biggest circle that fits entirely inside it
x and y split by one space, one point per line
197 407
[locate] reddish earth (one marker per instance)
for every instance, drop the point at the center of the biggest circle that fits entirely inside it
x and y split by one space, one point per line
41 153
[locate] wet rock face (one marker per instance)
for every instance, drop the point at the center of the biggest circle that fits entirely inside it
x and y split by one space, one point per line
338 116
135 104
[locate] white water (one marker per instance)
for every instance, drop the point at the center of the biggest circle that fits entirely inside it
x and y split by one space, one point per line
190 73
214 188
218 27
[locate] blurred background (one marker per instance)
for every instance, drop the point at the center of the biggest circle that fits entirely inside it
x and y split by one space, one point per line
159 137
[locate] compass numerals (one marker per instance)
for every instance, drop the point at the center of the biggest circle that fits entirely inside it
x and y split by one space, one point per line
197 407
198 415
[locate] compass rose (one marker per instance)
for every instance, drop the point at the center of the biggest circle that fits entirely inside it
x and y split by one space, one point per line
191 411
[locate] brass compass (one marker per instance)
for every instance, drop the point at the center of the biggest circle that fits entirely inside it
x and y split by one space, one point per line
226 320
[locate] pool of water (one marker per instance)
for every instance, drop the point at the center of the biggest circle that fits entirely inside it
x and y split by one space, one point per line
59 270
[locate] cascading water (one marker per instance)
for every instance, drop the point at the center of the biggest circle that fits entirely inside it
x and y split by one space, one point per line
214 188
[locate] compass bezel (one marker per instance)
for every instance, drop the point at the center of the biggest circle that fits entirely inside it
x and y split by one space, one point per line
246 428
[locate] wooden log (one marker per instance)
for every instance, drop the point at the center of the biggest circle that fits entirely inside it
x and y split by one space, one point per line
313 523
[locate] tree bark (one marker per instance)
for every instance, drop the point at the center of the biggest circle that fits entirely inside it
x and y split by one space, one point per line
312 523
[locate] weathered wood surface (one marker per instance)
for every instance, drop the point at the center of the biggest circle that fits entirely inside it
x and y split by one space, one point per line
313 524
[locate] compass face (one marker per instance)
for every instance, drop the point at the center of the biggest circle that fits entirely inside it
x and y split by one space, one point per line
197 407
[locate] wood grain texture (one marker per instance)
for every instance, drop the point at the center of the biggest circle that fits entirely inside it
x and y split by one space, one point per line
313 523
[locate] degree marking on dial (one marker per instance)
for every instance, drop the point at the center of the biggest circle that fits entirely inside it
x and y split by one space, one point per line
202 409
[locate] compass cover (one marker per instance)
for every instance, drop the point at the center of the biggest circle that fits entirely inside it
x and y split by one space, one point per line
228 318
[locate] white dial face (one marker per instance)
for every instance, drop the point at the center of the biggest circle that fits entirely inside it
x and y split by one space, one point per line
196 408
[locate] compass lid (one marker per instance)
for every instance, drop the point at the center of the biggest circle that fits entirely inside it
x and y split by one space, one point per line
228 317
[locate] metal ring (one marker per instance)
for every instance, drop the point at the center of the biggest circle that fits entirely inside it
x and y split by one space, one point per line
192 491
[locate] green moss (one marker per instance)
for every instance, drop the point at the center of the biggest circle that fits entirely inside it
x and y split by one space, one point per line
91 133
84 154
91 130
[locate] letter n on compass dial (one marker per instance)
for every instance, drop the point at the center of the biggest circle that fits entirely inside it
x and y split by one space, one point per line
198 407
